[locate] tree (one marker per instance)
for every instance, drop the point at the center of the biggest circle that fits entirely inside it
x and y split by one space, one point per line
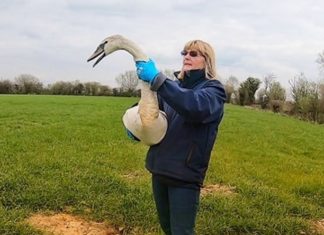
105 90
320 60
28 84
321 102
299 89
231 86
92 88
61 88
276 97
306 96
6 87
264 93
321 93
276 91
314 101
128 82
247 90
268 80
115 92
78 88
262 98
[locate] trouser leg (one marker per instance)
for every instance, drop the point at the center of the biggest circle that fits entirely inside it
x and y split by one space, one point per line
183 210
161 198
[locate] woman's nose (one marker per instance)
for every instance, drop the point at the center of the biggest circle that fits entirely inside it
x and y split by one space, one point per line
186 57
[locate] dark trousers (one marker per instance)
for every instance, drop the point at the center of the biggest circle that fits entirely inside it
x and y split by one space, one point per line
176 207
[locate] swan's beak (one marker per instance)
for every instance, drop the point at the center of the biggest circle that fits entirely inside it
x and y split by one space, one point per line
99 51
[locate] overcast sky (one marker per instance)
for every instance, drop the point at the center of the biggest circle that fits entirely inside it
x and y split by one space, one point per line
52 39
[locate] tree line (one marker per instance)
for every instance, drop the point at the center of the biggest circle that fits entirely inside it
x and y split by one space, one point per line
30 84
307 98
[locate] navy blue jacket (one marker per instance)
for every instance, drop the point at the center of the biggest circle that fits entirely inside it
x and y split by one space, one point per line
194 110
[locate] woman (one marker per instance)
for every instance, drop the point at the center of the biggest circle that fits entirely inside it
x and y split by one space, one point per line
194 106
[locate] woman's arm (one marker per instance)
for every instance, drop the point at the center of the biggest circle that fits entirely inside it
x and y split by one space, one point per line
201 105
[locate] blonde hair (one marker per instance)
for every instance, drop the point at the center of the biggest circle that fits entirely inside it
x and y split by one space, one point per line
207 52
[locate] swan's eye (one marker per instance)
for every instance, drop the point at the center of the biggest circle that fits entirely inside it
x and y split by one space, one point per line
102 46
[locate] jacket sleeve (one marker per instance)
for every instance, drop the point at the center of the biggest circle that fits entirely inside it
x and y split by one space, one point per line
202 105
160 101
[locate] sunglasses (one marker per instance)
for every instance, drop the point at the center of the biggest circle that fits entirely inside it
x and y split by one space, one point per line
191 53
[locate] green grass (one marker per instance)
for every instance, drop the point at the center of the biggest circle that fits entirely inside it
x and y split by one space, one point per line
63 153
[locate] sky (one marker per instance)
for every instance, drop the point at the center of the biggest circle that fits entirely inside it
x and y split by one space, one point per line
52 39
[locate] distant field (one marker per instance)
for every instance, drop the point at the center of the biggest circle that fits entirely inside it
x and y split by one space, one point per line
64 153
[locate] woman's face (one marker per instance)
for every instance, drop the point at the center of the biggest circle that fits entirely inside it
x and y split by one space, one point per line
192 59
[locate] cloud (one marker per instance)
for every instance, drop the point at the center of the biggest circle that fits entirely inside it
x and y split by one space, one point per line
53 39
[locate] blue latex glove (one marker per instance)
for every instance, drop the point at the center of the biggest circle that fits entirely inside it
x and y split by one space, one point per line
146 70
131 136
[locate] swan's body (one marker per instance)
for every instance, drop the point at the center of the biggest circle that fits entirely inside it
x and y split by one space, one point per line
145 121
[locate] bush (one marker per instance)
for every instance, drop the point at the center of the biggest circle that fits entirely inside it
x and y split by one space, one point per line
276 105
321 118
288 108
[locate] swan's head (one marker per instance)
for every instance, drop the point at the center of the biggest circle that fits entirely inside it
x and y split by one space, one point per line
108 46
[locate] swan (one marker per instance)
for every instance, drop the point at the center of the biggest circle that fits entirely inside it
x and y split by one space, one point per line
145 121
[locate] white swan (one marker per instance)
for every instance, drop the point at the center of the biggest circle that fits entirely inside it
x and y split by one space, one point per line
145 121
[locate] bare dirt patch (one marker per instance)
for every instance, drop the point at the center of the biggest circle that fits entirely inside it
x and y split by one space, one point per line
318 226
217 189
65 224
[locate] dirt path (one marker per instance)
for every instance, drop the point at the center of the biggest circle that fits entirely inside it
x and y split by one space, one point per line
65 224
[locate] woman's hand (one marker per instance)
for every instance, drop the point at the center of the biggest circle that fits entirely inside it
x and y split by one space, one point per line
146 70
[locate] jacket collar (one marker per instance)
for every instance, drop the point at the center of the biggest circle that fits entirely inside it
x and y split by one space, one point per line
192 78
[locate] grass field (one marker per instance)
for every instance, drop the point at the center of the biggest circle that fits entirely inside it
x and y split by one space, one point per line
63 153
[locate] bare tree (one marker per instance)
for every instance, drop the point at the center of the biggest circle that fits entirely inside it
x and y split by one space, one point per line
268 80
128 81
320 60
231 86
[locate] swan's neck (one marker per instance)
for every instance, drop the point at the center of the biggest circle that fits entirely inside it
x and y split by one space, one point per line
148 105
135 51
